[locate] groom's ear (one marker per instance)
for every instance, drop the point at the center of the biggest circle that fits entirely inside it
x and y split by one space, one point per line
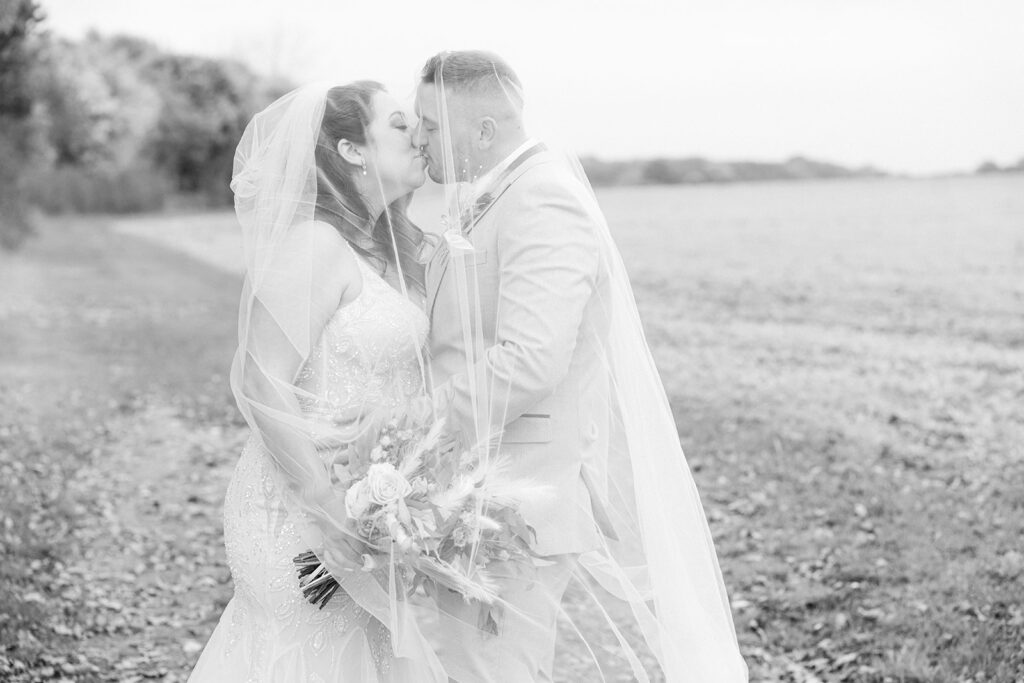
488 130
349 152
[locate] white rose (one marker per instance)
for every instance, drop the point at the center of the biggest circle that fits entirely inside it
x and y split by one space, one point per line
357 498
386 484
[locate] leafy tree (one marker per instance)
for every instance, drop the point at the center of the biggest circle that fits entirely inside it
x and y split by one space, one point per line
18 19
206 105
661 172
126 123
98 107
988 167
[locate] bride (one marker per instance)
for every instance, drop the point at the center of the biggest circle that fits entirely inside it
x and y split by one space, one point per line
331 328
333 331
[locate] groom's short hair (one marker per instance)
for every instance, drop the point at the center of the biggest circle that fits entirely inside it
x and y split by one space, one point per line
474 72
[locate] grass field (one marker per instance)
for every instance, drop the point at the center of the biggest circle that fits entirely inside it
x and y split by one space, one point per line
846 361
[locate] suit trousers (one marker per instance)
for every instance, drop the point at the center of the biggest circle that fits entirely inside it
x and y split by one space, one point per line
523 651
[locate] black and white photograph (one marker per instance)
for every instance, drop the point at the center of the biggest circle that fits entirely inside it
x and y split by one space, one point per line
578 341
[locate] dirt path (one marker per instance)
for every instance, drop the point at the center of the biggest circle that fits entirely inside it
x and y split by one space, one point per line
118 440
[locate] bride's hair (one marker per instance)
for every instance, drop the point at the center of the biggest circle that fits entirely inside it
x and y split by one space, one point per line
347 115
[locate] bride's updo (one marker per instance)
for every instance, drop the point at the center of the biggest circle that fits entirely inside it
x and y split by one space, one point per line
348 113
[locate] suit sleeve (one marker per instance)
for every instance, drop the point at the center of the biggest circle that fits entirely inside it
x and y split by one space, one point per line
548 261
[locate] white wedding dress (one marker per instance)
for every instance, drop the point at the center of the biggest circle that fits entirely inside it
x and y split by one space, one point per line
367 357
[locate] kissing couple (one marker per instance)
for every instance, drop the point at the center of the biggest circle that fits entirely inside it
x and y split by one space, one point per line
463 464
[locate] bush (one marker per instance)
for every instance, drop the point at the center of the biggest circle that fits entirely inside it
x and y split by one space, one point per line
18 20
73 189
15 225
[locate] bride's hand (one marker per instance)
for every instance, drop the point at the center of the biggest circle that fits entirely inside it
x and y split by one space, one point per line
345 554
341 543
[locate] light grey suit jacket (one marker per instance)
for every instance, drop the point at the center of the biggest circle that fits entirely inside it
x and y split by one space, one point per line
536 272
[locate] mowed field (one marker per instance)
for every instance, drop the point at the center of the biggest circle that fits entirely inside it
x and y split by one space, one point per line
845 359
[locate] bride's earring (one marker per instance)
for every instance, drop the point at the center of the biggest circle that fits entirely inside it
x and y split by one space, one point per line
364 166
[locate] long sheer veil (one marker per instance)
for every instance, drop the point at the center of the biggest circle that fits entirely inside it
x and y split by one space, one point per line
655 578
660 523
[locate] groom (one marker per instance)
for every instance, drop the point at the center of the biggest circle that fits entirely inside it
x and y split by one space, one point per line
529 289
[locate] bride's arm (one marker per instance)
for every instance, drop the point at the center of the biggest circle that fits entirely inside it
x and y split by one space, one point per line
312 273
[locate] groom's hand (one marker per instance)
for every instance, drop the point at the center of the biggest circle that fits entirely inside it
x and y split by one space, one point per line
450 446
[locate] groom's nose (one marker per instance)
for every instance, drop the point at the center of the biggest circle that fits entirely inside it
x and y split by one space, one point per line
418 138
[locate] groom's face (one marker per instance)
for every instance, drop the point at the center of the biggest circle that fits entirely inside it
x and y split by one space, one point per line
431 137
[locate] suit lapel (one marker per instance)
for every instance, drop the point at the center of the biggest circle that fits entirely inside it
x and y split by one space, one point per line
441 257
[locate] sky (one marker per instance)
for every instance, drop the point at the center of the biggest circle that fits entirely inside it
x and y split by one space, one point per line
911 86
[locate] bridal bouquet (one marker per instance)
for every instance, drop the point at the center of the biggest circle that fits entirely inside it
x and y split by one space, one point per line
441 517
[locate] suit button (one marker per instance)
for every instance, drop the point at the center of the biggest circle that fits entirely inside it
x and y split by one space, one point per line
590 433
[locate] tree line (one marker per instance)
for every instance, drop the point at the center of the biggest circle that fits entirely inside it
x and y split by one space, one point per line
112 124
116 124
695 170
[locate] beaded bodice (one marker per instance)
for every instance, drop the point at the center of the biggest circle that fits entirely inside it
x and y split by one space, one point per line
369 355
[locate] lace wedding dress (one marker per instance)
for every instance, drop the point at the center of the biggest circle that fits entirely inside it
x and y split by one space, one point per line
367 358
